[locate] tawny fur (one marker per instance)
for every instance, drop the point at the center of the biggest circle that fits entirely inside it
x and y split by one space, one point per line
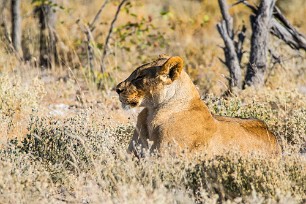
175 116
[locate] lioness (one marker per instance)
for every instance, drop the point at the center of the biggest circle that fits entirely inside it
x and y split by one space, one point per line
175 115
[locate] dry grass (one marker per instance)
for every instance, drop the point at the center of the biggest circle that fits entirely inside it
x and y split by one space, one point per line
71 138
78 159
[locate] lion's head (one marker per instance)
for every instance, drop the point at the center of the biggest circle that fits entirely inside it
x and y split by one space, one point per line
146 85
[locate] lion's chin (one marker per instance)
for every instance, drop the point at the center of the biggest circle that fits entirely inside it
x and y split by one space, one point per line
129 104
125 106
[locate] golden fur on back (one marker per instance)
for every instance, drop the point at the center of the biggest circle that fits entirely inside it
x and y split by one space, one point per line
175 116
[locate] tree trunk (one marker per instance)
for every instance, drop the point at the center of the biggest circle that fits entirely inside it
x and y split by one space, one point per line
47 18
16 25
259 44
282 28
3 23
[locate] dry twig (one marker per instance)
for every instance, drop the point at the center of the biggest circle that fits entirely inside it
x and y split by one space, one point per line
87 29
105 49
91 25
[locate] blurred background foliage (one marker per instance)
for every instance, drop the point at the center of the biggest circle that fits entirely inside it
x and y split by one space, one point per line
145 29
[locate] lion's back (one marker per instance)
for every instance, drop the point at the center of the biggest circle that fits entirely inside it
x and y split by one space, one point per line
256 130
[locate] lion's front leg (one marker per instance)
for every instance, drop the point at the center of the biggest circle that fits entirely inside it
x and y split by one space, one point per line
133 143
139 141
138 144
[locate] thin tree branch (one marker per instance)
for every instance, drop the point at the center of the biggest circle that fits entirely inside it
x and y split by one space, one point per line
295 38
246 3
3 23
90 50
105 49
87 29
91 25
239 43
225 28
231 59
227 18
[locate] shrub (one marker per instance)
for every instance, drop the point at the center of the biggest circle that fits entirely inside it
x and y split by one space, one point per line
17 101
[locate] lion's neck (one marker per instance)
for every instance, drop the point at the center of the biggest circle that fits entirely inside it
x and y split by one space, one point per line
176 96
179 97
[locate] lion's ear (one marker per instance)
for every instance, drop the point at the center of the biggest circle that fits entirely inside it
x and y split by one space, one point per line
172 67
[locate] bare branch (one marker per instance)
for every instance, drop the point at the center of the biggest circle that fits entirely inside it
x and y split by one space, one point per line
225 28
287 32
90 51
231 59
6 33
91 25
245 2
227 18
87 29
105 49
222 61
239 44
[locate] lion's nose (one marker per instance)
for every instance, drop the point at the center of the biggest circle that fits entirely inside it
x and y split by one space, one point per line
119 88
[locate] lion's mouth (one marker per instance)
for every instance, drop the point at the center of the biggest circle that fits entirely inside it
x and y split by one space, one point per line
127 106
126 103
133 104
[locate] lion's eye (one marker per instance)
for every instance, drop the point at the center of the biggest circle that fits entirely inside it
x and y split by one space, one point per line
139 78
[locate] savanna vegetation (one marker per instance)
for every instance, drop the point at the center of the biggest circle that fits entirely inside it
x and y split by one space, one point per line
64 135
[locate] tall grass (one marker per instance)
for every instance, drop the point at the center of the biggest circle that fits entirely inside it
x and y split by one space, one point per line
78 159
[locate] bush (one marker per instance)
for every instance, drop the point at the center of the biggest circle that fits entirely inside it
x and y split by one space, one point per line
72 142
17 102
233 176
